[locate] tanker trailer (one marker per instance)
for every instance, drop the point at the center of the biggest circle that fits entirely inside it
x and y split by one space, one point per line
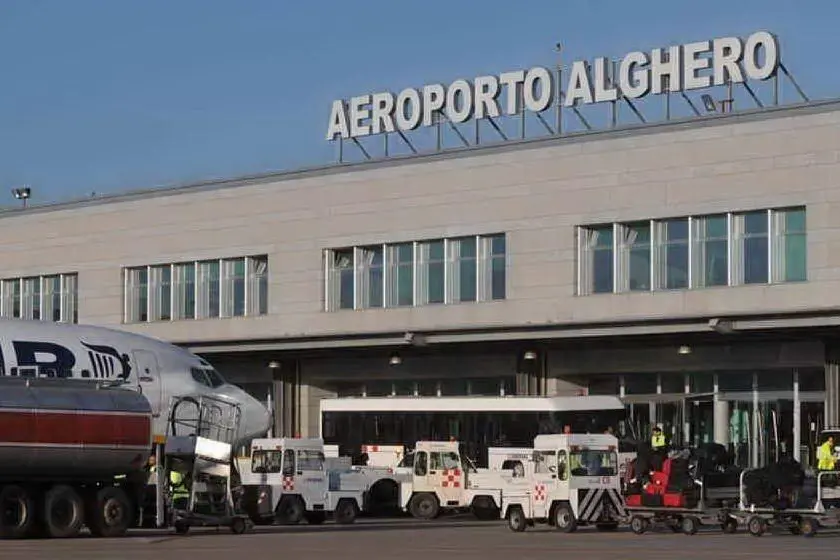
72 454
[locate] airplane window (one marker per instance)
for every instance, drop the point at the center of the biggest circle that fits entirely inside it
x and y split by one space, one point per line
200 376
215 378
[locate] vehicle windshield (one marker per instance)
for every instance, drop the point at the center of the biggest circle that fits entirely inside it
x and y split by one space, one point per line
207 376
593 462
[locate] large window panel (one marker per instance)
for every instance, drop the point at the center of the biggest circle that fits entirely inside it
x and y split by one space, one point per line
70 298
51 290
710 266
183 291
340 281
492 267
137 296
370 276
31 298
597 260
635 257
160 292
752 247
257 292
209 284
672 256
232 292
431 275
400 262
463 269
790 245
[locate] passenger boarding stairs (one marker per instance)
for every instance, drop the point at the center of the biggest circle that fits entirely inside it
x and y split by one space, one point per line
201 432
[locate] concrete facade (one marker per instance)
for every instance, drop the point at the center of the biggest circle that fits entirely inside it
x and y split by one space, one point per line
536 192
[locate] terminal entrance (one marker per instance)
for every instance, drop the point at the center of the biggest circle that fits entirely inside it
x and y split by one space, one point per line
753 414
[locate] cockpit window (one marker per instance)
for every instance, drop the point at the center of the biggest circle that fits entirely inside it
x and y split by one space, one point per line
207 376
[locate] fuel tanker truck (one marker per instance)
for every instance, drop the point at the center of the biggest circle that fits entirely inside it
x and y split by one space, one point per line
72 454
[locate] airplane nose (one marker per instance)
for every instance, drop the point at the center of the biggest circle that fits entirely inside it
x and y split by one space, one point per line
256 418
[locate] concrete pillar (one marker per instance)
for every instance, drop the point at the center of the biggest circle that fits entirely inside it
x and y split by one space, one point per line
832 393
721 422
797 418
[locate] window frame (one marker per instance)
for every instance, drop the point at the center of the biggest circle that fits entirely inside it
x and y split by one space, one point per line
21 296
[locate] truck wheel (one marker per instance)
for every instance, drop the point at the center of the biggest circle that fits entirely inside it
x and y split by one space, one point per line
109 514
756 526
64 512
238 526
17 512
564 518
290 510
424 506
638 524
808 526
516 519
730 526
345 512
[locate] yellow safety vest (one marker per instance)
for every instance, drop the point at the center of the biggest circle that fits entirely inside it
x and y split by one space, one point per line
825 457
179 489
657 441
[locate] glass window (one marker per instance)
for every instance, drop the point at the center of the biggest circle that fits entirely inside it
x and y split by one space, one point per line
791 246
498 248
400 274
309 460
593 462
463 266
637 244
289 462
137 294
604 385
371 269
52 298
184 291
673 254
431 275
640 383
31 298
258 278
755 247
160 292
421 466
672 382
544 462
441 460
70 298
599 252
209 289
266 462
711 255
735 381
488 386
701 382
341 284
562 465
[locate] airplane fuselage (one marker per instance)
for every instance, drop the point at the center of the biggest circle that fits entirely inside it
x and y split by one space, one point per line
156 368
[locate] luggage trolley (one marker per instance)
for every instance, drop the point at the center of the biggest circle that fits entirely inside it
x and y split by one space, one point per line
688 519
199 445
798 520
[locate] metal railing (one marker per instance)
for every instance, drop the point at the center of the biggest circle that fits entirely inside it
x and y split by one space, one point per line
204 416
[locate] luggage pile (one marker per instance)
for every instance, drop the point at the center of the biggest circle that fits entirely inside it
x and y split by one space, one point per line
776 486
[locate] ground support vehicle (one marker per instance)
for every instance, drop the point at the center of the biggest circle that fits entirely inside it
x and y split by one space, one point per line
72 454
204 458
575 482
803 518
290 480
440 481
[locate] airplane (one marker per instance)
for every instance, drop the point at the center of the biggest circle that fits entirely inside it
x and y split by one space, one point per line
158 369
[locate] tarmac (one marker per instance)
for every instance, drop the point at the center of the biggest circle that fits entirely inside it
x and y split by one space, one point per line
408 539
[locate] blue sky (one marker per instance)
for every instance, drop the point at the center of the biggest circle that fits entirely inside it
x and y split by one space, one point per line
111 95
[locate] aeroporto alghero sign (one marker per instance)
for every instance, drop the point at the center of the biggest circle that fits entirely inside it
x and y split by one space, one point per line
697 65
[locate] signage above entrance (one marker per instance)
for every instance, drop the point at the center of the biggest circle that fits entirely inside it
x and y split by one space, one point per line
680 68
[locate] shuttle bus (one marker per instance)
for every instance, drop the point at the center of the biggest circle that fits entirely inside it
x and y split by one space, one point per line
478 423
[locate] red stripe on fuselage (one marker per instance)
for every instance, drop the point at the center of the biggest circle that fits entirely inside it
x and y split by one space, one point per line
79 428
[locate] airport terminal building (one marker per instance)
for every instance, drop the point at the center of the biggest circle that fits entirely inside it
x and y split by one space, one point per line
686 266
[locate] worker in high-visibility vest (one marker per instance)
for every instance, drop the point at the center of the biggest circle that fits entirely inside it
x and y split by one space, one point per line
825 455
657 442
180 492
